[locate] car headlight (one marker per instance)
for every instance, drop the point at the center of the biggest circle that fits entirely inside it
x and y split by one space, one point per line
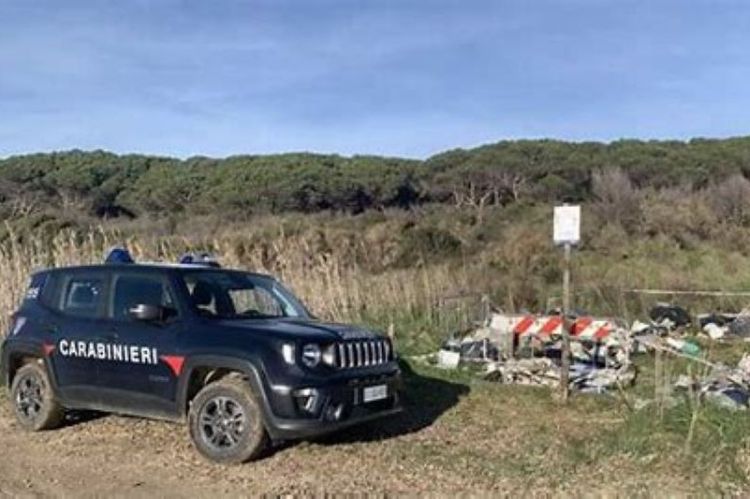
311 355
287 351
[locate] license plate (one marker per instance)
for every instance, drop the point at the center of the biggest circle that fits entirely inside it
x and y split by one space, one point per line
373 393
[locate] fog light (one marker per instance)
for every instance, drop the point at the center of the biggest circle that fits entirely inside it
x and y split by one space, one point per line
307 399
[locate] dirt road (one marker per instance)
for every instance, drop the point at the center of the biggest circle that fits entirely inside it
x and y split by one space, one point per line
130 456
112 454
451 438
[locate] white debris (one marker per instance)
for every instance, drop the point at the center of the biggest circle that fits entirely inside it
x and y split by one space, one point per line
448 359
744 364
714 331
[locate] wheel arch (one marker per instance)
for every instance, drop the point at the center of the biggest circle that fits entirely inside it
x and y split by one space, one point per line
204 369
16 356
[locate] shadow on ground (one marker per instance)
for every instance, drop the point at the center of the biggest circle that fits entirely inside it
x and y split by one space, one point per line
425 399
76 417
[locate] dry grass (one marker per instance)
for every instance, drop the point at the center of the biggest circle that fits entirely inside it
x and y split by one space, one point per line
457 435
490 436
329 281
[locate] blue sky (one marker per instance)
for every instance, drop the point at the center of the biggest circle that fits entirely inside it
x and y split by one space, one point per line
390 77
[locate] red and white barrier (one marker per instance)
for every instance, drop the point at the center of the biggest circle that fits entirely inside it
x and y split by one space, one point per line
545 326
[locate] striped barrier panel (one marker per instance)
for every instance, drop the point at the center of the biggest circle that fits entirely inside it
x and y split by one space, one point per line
545 326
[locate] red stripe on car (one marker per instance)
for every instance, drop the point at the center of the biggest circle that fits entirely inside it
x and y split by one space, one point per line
175 363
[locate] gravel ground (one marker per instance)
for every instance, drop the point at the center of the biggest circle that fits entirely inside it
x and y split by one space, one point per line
452 438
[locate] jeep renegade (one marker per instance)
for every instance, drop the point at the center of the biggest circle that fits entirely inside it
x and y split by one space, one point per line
234 354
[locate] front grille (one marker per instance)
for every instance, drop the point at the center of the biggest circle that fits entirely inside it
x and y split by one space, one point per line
362 353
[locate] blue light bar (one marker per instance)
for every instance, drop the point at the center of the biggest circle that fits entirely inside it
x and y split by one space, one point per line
119 254
203 258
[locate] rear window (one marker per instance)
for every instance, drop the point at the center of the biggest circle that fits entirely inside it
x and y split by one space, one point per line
75 294
82 296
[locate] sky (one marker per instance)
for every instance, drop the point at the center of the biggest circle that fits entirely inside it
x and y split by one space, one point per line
387 77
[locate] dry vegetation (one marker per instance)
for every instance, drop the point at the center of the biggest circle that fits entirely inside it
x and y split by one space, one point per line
393 267
332 283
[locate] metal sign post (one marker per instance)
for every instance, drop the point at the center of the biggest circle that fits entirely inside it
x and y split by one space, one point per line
566 232
565 357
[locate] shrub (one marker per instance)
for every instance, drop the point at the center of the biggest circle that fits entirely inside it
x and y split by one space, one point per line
616 200
730 199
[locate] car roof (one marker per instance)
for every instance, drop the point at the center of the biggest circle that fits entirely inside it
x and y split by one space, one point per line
148 267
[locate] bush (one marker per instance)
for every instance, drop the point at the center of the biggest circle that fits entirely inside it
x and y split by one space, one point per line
421 244
730 199
616 200
680 214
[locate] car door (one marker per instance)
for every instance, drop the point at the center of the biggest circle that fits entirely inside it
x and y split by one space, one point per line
77 324
143 373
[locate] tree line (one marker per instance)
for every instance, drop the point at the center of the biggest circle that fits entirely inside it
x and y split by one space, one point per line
103 184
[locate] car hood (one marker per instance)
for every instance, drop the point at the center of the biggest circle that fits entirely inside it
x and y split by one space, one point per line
302 329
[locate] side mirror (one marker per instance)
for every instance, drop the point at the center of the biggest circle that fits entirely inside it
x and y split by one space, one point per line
147 313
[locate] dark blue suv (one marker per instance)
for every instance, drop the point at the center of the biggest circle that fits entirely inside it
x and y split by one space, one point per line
234 353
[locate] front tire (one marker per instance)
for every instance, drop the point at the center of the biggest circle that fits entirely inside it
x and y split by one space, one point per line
34 402
226 422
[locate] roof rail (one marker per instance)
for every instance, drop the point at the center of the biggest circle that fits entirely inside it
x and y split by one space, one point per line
201 258
118 254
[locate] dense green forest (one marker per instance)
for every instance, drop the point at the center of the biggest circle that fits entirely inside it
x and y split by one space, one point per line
42 187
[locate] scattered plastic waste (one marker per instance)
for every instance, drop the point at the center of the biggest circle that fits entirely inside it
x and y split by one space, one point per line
733 398
740 326
526 349
683 346
714 331
669 316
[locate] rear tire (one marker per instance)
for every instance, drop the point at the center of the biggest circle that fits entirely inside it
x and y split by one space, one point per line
226 422
33 401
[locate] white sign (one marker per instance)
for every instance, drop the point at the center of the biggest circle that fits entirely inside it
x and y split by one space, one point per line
567 224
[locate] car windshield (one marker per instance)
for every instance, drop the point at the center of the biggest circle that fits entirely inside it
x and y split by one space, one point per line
239 295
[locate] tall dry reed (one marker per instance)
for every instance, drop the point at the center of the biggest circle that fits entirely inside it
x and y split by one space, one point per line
334 286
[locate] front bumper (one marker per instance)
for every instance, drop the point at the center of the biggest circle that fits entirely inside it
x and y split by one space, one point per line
333 406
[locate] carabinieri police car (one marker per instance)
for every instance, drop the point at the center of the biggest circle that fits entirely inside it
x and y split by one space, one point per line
234 354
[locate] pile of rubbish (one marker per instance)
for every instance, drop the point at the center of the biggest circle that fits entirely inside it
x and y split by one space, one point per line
723 325
545 371
525 349
669 318
598 363
723 386
667 333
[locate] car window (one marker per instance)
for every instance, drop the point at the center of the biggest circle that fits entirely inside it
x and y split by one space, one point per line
256 301
133 289
234 295
82 296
